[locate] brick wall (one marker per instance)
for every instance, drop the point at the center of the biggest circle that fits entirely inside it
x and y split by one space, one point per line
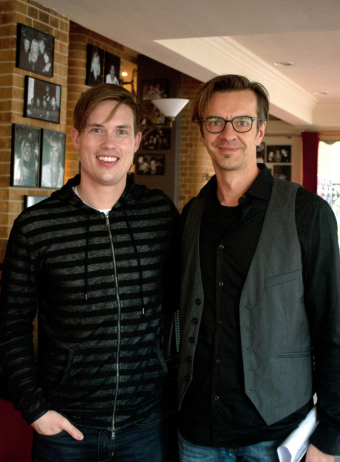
195 163
12 79
79 38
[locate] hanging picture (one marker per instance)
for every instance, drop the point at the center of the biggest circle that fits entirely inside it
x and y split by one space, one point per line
32 200
53 159
260 153
149 164
94 65
25 163
157 139
112 68
279 154
35 50
42 100
283 171
155 89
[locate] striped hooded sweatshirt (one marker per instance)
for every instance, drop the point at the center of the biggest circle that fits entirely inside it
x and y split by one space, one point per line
97 282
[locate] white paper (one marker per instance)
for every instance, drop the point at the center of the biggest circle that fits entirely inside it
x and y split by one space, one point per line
296 444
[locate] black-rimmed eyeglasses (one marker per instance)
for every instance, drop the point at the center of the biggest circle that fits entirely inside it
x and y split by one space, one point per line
241 124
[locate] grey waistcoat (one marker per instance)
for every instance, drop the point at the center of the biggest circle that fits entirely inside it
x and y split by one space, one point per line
275 338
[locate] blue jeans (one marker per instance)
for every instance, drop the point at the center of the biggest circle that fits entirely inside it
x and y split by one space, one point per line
265 451
145 441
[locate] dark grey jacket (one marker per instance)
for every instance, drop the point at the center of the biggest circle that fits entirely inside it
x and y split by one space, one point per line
275 338
98 284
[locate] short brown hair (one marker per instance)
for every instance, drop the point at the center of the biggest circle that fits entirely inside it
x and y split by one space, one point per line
229 83
103 92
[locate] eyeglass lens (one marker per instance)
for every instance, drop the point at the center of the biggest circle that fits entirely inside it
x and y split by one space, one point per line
240 124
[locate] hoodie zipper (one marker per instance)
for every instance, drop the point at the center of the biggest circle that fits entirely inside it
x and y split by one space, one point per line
118 327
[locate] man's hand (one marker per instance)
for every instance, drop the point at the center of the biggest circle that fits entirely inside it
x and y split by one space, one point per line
315 455
52 423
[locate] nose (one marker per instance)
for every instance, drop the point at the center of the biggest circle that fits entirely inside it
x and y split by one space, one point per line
108 141
228 131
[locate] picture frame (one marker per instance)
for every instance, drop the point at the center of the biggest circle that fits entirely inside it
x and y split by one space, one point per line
261 153
42 100
283 171
52 159
32 200
279 154
112 68
151 115
94 65
25 159
35 51
150 164
157 139
155 89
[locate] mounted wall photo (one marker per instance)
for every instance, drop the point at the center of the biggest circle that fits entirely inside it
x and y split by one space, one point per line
42 100
32 200
279 154
53 159
35 50
112 68
155 89
157 139
150 164
25 163
260 153
283 171
94 65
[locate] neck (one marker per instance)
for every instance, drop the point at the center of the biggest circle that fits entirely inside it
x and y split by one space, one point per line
100 197
231 185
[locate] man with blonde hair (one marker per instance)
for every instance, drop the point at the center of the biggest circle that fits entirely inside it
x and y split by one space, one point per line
92 258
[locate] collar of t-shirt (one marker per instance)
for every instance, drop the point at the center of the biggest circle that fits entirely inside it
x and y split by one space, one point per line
105 211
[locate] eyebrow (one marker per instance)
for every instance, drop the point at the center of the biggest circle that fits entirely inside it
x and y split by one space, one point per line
103 125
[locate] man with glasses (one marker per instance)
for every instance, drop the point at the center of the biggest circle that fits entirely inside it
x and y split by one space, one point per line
260 296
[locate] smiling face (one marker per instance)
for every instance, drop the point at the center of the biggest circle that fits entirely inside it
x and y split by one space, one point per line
230 150
106 147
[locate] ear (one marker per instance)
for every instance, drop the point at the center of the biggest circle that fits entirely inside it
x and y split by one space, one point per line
137 141
260 134
75 135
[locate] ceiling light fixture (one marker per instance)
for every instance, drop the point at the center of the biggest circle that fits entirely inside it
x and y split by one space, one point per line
284 63
170 107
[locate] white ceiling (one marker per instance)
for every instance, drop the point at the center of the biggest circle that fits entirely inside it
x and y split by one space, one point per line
204 38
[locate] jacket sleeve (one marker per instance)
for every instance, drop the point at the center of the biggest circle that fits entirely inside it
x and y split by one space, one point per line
19 301
320 253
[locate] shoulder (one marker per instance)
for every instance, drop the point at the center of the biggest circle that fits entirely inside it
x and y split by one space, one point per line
311 202
156 199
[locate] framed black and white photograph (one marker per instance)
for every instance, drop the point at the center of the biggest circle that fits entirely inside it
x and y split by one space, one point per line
25 162
155 89
150 164
32 200
283 171
279 154
53 159
35 51
112 68
157 139
260 153
42 100
151 115
94 65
